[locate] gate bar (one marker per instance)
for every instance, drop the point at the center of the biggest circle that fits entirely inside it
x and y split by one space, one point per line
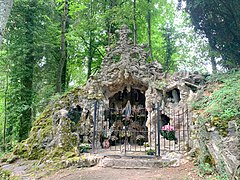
94 126
158 129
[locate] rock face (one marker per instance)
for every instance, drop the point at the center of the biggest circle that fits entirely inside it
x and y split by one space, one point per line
215 139
222 152
124 69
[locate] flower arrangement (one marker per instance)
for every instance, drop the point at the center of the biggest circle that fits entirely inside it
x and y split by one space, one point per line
150 152
122 134
140 139
113 140
84 147
145 144
168 132
168 128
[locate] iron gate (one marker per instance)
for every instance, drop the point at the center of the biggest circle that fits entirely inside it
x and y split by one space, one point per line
139 133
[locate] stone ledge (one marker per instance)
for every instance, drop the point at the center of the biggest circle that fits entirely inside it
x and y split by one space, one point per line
136 163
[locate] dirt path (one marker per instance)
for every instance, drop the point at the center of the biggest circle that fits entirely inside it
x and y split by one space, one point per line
185 171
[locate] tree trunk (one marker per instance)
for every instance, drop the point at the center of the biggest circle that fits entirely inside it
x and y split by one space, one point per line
149 31
134 23
90 47
64 75
214 65
27 79
60 85
90 56
110 26
5 9
169 51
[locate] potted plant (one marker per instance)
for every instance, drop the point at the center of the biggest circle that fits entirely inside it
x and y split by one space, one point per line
140 139
145 144
123 134
150 152
113 140
168 132
84 147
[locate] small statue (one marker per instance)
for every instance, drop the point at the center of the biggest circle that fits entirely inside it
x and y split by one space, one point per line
127 110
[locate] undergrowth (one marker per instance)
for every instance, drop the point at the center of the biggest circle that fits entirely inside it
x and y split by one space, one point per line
221 103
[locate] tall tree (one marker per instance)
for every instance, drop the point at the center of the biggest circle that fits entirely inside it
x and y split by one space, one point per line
62 67
5 111
91 41
219 20
170 48
30 48
26 95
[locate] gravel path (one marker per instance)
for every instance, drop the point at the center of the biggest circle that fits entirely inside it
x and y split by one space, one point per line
184 172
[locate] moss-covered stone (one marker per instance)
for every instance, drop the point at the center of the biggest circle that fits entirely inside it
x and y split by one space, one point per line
5 174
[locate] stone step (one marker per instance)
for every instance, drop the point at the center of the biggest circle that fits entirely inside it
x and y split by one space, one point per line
138 163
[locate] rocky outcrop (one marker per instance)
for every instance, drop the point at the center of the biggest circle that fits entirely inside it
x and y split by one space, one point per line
55 134
211 147
225 150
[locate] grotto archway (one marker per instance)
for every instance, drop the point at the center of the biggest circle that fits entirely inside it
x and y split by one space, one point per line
119 100
134 100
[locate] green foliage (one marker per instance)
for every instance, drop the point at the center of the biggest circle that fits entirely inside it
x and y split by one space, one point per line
85 147
205 169
223 104
29 51
4 174
222 174
150 152
219 21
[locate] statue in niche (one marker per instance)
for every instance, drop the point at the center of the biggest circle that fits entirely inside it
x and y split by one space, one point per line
176 97
127 110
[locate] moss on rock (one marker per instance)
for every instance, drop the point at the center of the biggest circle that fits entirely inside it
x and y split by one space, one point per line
51 135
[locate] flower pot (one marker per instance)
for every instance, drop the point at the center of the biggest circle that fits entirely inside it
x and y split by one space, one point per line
112 143
140 142
150 152
169 135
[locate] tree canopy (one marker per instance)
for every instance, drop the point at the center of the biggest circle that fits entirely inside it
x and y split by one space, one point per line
219 20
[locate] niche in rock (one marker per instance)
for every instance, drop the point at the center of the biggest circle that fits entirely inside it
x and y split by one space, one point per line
173 95
119 100
165 120
118 103
127 116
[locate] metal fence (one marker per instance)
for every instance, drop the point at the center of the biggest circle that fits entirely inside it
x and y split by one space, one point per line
139 133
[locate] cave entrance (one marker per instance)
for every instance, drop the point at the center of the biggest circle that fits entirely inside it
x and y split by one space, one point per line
126 128
127 110
119 100
174 95
127 118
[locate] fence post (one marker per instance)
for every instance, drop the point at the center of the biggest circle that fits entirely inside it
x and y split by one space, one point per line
158 129
94 126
